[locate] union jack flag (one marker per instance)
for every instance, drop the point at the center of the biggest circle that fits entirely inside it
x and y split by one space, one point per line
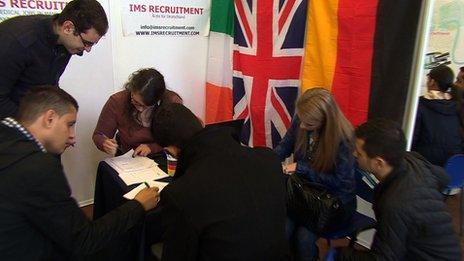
268 50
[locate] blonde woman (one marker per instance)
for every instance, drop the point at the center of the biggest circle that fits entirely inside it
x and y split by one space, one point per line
320 138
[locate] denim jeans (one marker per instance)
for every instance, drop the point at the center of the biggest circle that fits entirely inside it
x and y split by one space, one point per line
302 241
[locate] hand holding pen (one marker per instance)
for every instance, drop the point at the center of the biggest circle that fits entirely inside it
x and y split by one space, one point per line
148 197
110 146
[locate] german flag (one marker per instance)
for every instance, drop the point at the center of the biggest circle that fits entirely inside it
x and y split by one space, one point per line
362 50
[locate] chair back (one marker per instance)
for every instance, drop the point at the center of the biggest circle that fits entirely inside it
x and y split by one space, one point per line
455 169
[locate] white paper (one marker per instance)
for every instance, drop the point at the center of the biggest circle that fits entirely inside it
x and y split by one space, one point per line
131 194
126 163
134 177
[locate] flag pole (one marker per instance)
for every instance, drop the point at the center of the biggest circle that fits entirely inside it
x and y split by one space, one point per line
417 69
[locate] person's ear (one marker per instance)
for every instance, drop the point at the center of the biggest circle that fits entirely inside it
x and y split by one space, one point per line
68 27
49 118
379 163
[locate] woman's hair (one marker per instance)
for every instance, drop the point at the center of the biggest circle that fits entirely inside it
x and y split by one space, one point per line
149 83
317 107
443 76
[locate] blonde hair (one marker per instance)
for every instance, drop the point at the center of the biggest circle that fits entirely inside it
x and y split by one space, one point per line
317 107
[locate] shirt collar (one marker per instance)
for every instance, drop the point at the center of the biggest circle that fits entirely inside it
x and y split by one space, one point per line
12 123
437 95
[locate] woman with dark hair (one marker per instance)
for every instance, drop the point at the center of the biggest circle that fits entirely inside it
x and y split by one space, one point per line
437 131
129 112
320 139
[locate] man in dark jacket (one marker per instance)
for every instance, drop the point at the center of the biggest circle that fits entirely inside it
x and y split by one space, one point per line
412 220
34 50
227 202
437 131
39 220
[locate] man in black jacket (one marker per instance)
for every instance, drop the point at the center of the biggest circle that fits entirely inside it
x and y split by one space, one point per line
437 130
412 220
34 50
227 202
39 220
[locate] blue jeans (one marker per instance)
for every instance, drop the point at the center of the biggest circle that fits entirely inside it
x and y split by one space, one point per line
302 241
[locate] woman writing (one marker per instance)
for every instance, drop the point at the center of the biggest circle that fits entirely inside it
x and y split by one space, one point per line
321 139
128 113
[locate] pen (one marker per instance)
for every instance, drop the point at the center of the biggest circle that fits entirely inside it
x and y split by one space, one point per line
146 184
118 148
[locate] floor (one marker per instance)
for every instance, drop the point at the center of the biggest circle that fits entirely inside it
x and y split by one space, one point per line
452 203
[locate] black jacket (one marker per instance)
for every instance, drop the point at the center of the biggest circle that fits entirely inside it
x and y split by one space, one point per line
227 202
412 220
29 56
437 132
39 220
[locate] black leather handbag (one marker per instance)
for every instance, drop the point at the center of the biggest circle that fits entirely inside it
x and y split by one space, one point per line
311 205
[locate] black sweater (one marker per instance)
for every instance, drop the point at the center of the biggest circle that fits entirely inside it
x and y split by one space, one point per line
29 56
39 220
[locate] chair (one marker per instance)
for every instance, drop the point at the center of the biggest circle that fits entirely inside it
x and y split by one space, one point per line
331 254
455 169
359 222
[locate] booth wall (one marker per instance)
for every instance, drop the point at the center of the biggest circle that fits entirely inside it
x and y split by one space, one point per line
92 78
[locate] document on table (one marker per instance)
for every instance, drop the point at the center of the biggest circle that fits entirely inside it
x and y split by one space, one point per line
134 177
127 163
135 170
131 194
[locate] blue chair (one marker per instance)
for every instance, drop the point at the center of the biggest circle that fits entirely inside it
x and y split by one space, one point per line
331 254
455 169
359 222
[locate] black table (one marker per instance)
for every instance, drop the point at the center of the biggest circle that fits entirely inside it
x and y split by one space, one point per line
109 191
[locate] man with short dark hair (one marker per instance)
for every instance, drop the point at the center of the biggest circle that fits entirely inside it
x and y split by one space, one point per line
227 202
39 220
412 220
35 49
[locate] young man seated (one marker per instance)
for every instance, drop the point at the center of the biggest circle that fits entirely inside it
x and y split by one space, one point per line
39 220
412 220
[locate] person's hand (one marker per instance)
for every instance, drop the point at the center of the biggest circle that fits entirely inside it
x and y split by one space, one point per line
289 168
110 146
148 198
142 150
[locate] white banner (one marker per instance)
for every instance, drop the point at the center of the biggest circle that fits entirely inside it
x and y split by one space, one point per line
10 8
165 17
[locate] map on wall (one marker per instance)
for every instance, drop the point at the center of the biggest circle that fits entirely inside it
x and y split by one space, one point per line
447 31
446 38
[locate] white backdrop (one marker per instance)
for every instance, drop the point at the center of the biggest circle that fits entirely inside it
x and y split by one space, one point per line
92 78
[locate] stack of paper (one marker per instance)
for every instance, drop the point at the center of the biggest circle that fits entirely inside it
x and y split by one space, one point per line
136 170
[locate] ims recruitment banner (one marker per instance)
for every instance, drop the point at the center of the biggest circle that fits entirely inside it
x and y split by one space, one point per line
165 17
10 8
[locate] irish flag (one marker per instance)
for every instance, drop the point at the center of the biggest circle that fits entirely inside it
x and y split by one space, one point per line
219 105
